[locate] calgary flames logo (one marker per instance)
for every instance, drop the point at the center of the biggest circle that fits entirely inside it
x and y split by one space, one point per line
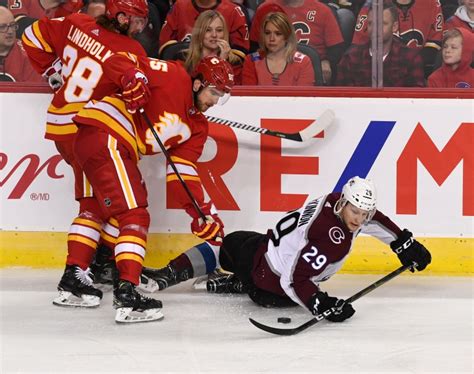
171 130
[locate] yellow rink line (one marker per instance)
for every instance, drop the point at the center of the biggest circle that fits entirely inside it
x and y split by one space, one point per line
451 256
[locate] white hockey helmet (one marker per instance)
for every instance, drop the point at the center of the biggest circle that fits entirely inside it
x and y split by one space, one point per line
361 193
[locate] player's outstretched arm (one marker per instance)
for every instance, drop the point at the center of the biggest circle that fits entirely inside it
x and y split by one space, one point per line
410 251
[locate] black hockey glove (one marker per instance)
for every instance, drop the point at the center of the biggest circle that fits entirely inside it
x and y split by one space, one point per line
321 301
410 251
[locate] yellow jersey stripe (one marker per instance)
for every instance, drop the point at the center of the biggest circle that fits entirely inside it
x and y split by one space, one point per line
129 256
131 239
83 240
174 177
39 36
88 223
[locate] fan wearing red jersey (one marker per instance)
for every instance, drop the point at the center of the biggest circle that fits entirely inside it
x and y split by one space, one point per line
71 53
420 25
180 20
314 24
306 247
111 139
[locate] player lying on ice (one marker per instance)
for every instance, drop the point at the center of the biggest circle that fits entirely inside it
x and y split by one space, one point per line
307 246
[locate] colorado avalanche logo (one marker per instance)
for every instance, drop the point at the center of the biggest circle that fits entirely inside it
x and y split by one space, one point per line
462 85
336 235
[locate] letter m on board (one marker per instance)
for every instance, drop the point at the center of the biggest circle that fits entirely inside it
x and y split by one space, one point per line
439 163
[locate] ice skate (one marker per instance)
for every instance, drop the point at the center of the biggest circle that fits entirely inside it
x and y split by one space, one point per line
147 284
103 266
201 282
167 276
76 290
224 283
132 307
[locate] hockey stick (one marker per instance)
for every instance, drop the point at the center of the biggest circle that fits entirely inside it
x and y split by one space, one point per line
311 131
319 317
173 166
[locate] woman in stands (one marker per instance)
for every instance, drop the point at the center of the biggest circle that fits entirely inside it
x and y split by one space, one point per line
210 37
277 62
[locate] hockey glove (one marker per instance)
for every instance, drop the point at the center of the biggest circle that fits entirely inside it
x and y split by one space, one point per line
53 75
135 90
410 251
321 302
212 230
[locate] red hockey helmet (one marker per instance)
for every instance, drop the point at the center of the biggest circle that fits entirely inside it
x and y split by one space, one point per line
130 8
216 72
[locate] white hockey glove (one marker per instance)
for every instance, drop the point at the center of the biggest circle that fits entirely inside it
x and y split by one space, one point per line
53 75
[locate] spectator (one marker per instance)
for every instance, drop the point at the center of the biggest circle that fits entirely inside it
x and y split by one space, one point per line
180 21
210 37
315 25
457 52
278 63
420 25
14 64
95 8
463 17
402 66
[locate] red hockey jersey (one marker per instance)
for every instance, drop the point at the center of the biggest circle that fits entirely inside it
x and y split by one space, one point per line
420 25
15 66
84 48
181 127
180 21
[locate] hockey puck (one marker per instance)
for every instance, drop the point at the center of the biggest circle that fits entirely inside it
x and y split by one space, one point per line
284 320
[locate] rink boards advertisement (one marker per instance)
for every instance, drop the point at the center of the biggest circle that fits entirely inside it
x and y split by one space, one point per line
417 151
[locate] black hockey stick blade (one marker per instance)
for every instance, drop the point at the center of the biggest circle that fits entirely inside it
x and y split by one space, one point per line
319 317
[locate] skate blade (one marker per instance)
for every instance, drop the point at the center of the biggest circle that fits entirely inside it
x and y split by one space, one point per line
67 299
128 315
147 284
200 283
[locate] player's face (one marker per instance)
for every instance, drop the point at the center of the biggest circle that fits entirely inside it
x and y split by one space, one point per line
8 29
207 97
274 39
213 33
353 217
452 50
136 25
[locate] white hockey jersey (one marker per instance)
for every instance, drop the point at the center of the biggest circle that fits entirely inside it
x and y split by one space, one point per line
308 246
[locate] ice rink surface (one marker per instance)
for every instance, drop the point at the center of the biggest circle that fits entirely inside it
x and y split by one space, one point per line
412 324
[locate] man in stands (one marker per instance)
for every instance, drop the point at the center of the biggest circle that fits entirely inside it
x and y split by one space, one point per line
180 21
14 64
402 66
420 26
285 266
315 25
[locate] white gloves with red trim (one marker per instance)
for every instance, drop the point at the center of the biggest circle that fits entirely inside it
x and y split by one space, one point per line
53 75
211 230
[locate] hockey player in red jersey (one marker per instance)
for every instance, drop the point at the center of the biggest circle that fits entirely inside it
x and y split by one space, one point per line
307 246
112 137
71 53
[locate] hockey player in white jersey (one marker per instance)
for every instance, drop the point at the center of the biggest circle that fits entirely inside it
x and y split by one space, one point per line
307 246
